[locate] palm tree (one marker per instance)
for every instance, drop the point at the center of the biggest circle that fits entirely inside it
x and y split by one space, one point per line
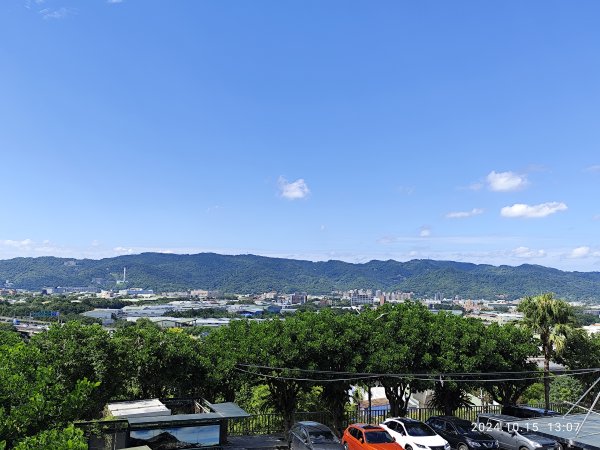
551 319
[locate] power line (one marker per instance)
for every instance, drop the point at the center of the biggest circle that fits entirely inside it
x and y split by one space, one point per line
430 379
414 374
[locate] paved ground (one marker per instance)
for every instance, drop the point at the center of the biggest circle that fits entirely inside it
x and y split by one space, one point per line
258 442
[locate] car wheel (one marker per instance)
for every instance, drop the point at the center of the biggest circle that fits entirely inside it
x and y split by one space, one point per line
408 447
523 448
346 446
462 447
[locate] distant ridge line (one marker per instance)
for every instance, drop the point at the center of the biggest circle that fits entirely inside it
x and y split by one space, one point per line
247 273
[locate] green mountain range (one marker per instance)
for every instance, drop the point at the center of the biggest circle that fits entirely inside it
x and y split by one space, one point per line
257 274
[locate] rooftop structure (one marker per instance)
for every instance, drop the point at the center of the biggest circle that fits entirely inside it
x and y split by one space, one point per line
575 430
138 408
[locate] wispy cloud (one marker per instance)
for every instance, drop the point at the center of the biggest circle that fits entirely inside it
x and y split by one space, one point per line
475 186
593 169
405 190
212 209
293 190
464 214
124 250
528 253
385 240
506 181
425 231
532 211
114 1
29 3
55 13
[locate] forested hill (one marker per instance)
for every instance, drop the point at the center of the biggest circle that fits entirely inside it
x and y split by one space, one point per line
257 274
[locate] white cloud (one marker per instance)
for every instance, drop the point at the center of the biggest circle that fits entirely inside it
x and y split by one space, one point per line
506 181
425 232
580 252
527 253
463 214
532 211
294 190
124 250
17 244
114 1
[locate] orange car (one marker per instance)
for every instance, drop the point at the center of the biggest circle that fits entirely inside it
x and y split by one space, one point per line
368 437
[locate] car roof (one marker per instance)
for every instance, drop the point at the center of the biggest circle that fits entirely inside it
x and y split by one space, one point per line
533 409
366 426
313 425
502 417
404 420
452 419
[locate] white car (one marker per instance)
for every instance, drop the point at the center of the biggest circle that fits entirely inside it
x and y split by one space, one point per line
414 435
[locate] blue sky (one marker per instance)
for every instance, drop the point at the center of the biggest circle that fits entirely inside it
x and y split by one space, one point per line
306 129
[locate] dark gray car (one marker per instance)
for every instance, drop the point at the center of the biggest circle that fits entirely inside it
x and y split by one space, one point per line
313 436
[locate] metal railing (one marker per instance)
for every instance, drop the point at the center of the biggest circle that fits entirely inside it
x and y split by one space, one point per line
273 423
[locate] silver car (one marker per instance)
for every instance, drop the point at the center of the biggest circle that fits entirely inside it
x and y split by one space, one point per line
506 431
313 436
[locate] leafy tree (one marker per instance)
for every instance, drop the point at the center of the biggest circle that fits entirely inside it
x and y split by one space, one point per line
334 343
279 344
459 346
562 389
31 398
566 389
533 395
159 363
449 396
551 318
399 342
77 351
511 348
223 349
582 351
69 438
9 335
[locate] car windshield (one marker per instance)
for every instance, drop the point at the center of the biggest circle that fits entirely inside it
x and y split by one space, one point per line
320 437
524 432
463 427
378 437
418 429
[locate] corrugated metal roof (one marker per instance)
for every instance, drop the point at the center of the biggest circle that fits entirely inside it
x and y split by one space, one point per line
569 429
228 410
